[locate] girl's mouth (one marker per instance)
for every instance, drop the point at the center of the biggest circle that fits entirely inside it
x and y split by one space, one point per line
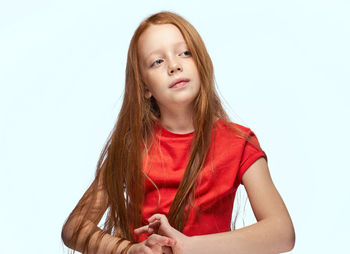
180 84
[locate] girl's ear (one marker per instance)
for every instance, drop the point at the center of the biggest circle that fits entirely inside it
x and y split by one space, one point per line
148 94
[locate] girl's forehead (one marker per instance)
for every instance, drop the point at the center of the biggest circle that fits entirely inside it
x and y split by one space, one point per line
156 37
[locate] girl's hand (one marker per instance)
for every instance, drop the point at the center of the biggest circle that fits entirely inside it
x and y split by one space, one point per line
158 224
155 244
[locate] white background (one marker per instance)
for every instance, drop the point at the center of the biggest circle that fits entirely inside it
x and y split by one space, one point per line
282 69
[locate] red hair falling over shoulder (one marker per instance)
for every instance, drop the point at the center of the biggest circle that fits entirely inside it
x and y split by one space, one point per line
119 174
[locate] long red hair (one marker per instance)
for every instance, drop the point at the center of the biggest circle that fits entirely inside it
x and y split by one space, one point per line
119 172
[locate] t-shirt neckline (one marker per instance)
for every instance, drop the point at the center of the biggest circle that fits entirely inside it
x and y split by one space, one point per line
166 133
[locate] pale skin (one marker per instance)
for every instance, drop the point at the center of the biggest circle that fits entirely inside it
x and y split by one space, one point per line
273 232
165 57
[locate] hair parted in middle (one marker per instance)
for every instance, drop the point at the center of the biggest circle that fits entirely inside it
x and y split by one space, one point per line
119 172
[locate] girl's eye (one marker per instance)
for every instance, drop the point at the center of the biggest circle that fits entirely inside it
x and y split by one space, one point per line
156 62
159 61
187 52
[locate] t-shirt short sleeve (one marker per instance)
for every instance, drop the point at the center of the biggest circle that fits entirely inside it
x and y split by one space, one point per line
251 152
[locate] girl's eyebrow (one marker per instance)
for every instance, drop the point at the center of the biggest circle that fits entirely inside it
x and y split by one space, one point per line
174 45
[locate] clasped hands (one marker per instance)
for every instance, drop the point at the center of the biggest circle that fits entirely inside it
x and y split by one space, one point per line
163 239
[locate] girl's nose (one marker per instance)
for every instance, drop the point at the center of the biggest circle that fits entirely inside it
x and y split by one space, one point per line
174 68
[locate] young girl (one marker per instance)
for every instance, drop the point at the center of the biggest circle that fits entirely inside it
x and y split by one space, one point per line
169 172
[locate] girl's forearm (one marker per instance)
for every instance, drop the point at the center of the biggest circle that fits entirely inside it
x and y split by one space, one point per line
272 235
105 246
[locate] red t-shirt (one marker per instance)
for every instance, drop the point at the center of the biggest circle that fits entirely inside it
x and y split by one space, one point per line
229 157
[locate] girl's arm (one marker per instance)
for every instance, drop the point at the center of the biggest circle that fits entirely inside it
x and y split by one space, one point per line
155 244
273 233
105 246
90 226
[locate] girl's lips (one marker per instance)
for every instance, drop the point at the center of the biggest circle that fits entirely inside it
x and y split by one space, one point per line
180 84
177 81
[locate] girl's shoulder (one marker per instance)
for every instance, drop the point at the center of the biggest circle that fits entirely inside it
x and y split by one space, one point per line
229 128
236 136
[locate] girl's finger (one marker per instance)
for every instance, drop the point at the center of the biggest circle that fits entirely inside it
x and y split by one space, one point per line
140 248
167 250
154 224
150 231
158 216
141 230
150 228
159 240
167 229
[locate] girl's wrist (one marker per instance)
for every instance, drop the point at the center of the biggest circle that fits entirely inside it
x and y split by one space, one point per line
185 245
125 249
121 246
188 245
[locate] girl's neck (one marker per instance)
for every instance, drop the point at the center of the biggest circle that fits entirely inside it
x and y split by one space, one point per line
177 122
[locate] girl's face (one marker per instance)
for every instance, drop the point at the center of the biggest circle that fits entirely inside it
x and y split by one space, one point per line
164 61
